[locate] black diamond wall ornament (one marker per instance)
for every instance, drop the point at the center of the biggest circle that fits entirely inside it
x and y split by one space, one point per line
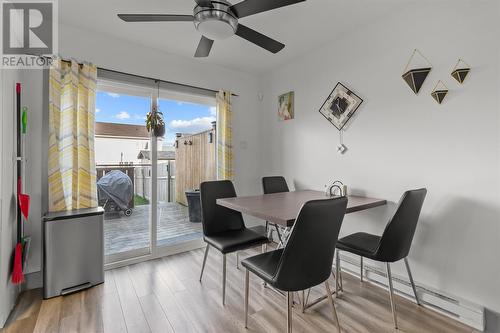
460 74
415 74
439 95
460 71
439 92
415 78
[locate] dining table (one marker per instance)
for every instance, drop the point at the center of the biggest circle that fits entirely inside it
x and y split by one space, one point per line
282 208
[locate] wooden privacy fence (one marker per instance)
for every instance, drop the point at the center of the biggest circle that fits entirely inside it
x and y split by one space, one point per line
195 162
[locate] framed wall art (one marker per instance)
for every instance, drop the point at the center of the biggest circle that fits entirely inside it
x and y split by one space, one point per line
340 106
285 106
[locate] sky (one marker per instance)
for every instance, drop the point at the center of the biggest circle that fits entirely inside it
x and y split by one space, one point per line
178 116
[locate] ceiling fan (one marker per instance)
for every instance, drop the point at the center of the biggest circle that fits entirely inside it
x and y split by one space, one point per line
218 19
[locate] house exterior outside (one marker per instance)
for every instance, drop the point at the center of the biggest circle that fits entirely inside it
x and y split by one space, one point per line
119 143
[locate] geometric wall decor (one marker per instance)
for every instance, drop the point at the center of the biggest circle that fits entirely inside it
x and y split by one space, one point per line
460 71
340 106
415 75
439 92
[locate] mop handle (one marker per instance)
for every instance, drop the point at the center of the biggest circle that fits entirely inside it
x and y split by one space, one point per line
18 162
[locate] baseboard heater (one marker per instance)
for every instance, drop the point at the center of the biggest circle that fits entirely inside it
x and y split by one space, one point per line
458 309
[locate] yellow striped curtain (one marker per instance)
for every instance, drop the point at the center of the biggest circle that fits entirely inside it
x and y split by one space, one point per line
224 136
72 173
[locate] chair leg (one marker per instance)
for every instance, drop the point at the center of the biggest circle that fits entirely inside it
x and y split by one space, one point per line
306 301
204 261
289 300
329 293
246 297
237 260
303 301
298 299
338 276
278 232
391 295
263 250
341 281
223 279
411 281
361 269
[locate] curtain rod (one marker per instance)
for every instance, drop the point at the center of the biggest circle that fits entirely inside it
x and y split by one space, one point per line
154 79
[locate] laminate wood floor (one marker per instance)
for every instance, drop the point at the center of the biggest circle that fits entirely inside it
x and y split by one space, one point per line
164 295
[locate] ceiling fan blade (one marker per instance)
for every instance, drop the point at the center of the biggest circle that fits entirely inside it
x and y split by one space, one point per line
250 7
259 39
155 18
204 3
204 47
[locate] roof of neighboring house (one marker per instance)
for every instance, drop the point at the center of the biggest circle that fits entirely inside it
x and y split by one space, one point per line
121 130
162 155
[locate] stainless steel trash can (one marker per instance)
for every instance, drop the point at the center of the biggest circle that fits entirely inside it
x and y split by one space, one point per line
73 253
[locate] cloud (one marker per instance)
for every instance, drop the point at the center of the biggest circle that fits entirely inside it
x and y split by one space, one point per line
123 115
114 95
192 125
213 111
97 110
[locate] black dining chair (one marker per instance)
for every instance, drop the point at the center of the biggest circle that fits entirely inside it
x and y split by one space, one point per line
274 184
224 228
306 261
393 245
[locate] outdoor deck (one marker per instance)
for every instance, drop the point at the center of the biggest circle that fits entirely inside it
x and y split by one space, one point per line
123 233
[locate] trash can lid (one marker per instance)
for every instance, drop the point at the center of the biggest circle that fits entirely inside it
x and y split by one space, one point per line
73 214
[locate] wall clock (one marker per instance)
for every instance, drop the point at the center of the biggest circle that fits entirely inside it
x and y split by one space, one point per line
340 106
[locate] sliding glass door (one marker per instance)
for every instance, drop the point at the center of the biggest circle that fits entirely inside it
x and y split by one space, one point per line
186 156
142 184
123 172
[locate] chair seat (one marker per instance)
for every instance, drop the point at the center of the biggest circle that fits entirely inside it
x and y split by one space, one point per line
260 229
234 240
264 265
360 243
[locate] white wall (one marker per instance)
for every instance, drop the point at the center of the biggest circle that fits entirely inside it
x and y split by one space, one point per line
399 141
110 150
8 292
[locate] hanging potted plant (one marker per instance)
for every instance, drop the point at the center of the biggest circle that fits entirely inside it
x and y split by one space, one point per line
155 123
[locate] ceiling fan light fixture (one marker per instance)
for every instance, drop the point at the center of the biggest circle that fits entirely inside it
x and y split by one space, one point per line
215 23
215 29
218 19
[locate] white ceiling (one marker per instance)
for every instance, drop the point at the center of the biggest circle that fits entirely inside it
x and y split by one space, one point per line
301 27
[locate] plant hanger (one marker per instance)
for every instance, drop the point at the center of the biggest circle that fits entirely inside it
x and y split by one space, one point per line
415 77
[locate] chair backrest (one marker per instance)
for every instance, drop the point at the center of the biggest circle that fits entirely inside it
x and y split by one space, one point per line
274 184
398 234
215 218
307 258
